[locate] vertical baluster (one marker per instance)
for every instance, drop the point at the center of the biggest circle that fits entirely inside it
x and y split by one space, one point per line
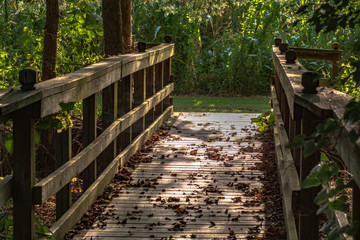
150 90
124 106
24 174
139 97
308 222
171 98
158 86
356 208
89 135
335 60
63 155
109 114
287 116
167 71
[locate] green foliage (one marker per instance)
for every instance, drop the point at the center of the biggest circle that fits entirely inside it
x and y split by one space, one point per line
6 226
61 121
9 142
264 121
331 198
220 46
21 37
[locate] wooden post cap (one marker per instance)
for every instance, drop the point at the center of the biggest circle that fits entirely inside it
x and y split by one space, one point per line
28 78
278 41
283 47
168 39
310 81
335 45
141 46
290 56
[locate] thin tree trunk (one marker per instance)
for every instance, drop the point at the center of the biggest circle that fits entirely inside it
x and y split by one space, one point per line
112 27
50 39
126 25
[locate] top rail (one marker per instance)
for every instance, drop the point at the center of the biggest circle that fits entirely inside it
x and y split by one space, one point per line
82 83
301 111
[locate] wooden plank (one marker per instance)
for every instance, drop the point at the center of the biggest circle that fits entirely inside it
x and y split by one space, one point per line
140 202
161 52
139 98
159 83
24 173
288 175
108 116
74 214
6 189
124 106
82 83
55 181
309 220
316 54
4 92
63 151
167 73
89 135
18 99
150 91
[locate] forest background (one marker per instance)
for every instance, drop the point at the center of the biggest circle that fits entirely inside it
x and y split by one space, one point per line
222 47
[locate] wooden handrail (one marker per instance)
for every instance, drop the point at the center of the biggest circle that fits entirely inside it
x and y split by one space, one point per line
113 78
82 83
300 113
48 186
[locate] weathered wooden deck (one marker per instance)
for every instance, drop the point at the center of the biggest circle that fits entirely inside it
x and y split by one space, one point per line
201 184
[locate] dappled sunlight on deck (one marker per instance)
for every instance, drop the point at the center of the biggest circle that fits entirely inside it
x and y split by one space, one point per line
202 183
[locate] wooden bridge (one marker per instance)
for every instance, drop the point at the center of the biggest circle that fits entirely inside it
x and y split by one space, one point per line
135 90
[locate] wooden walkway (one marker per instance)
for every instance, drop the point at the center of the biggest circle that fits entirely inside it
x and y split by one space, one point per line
202 183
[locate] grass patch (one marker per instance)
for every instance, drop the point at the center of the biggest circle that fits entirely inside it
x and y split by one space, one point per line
221 104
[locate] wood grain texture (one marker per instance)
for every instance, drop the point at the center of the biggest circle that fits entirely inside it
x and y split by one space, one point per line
195 180
55 181
24 174
288 176
73 215
83 83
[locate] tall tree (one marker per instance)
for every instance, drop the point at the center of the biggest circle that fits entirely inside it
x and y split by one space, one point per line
112 27
126 25
50 39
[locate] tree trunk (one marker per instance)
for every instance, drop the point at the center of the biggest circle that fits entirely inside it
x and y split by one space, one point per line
126 25
112 27
50 39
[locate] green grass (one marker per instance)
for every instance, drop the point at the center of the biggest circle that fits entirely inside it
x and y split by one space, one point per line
221 104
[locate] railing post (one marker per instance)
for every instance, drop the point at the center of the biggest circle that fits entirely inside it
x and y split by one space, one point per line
150 90
356 208
24 173
171 81
167 73
62 155
159 84
109 114
335 61
124 106
308 222
89 135
139 97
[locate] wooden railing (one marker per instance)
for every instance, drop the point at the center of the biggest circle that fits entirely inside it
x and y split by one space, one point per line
299 113
135 91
